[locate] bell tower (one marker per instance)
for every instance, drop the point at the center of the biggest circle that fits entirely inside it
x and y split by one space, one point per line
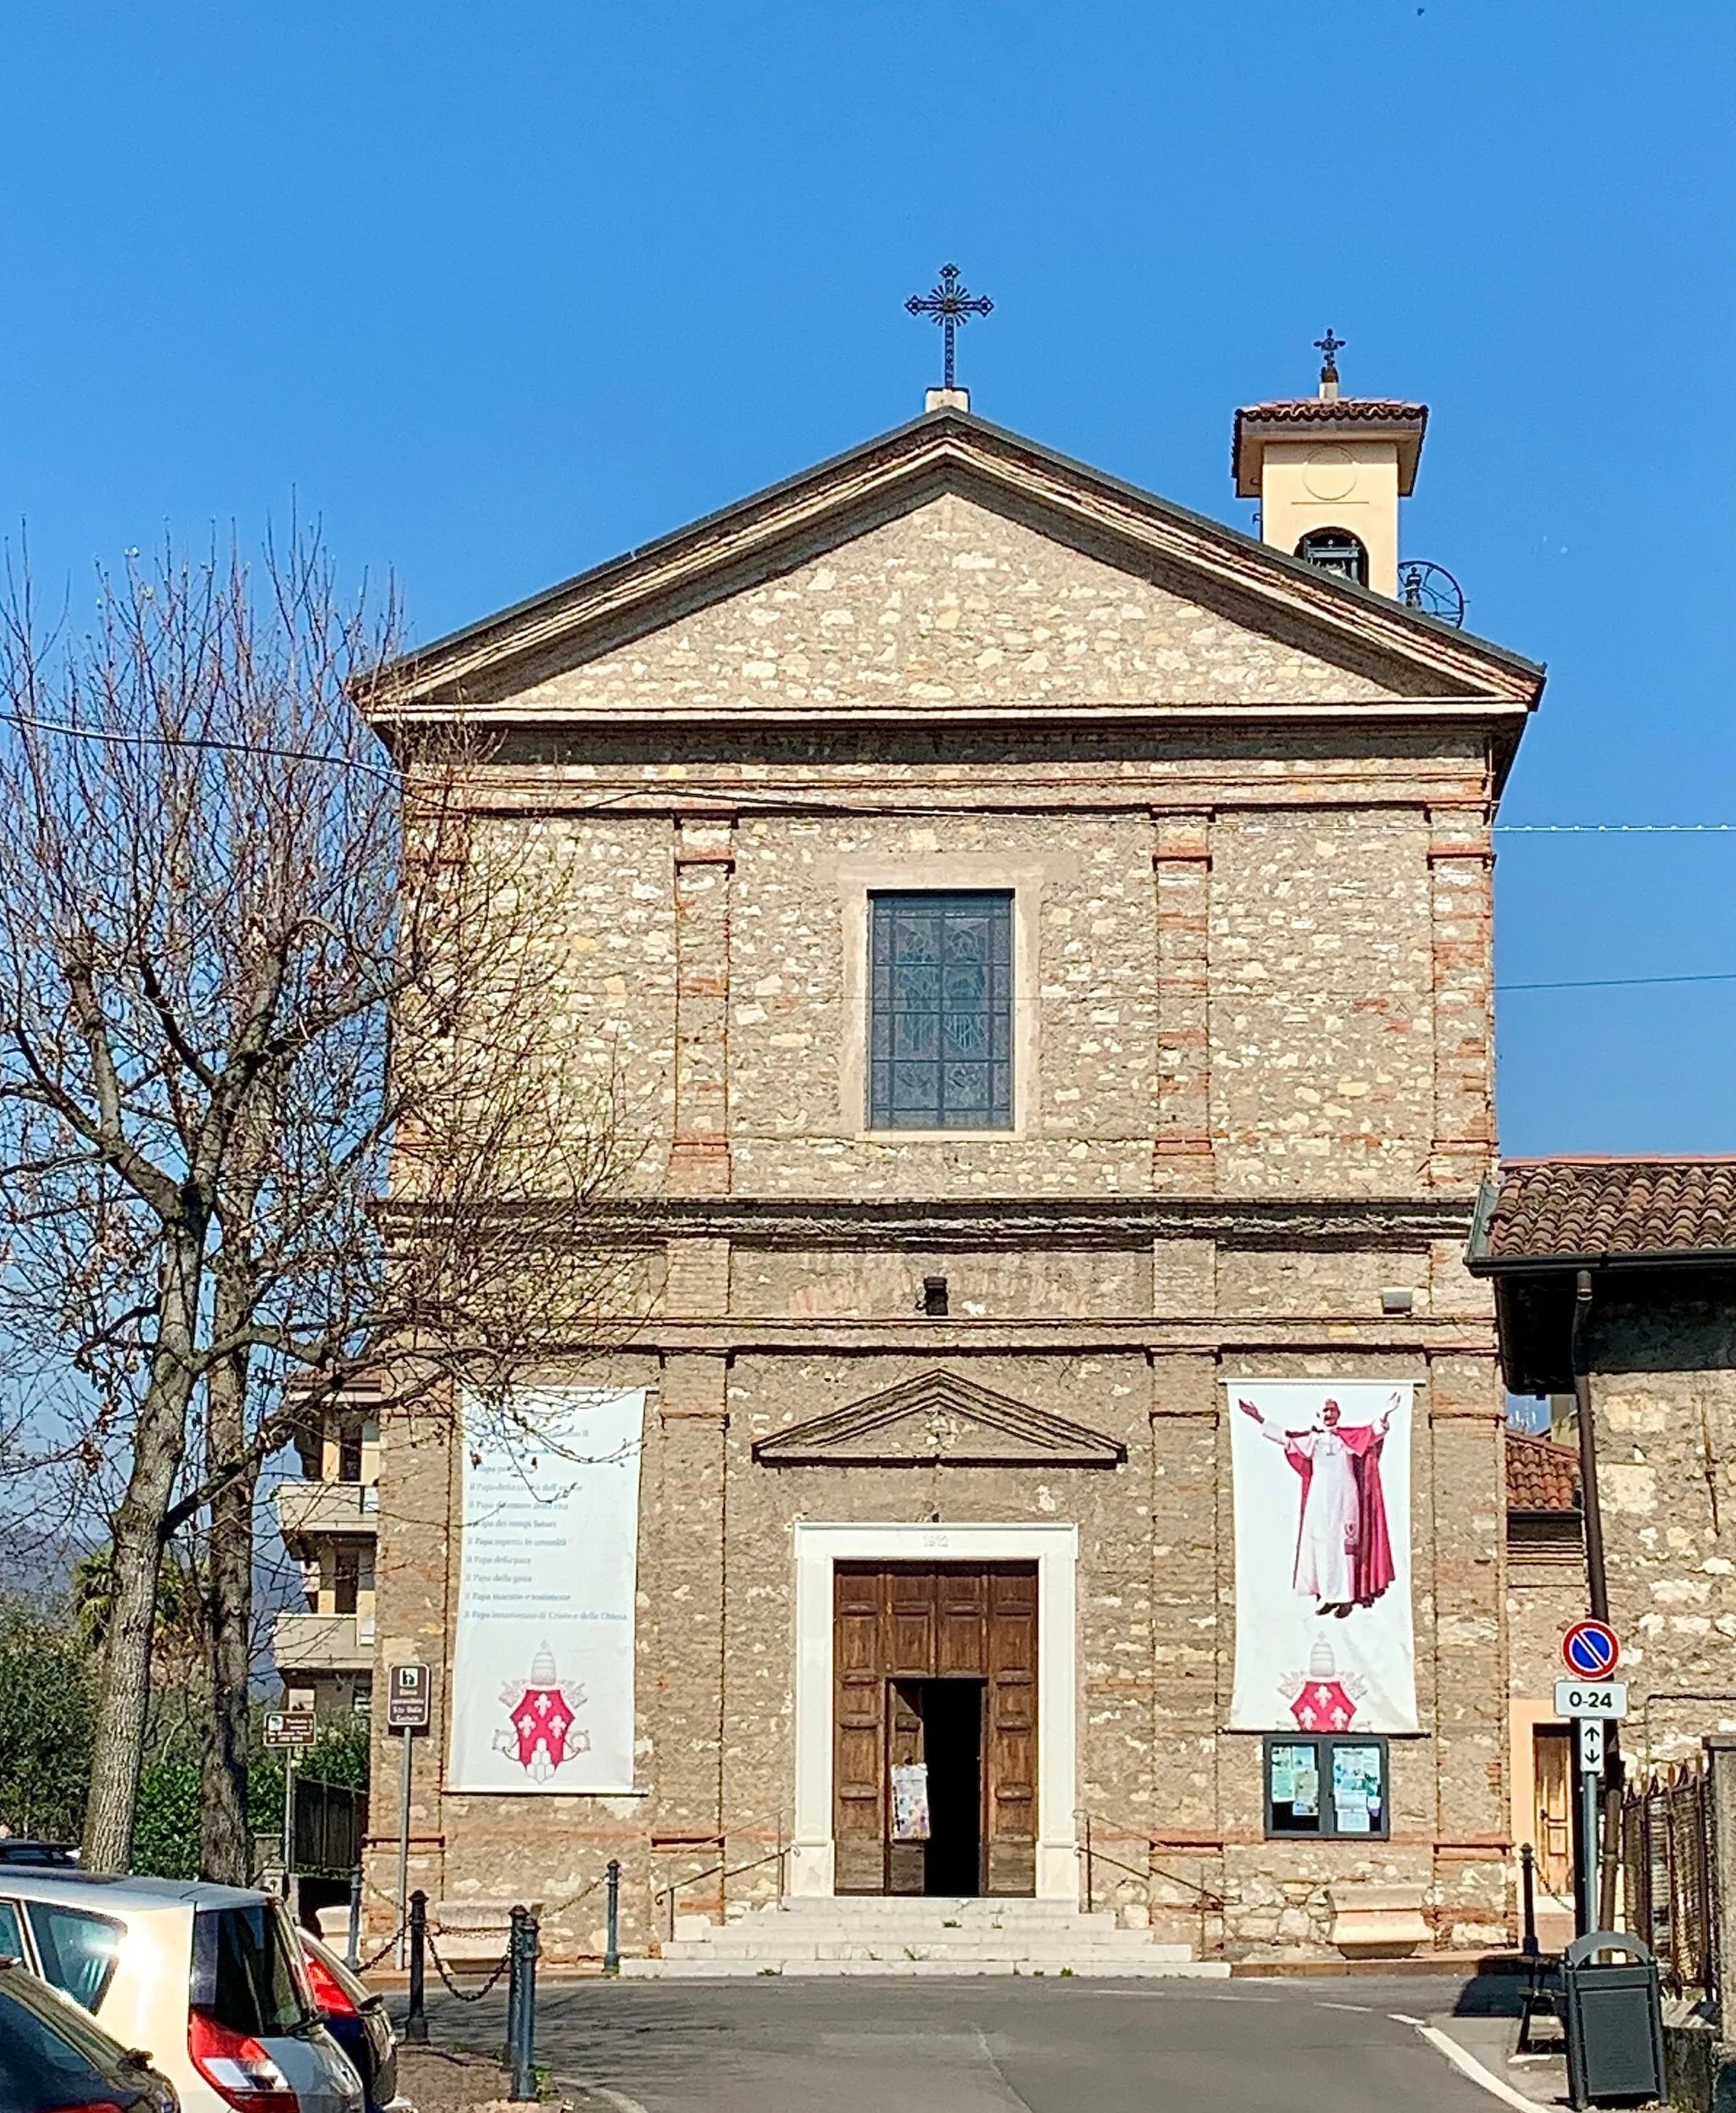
1329 471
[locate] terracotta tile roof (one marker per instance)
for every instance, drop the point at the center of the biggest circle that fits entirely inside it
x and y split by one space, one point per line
1541 1475
1256 421
1575 1209
1310 410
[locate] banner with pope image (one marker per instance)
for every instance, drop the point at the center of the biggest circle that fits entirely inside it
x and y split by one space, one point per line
1324 1640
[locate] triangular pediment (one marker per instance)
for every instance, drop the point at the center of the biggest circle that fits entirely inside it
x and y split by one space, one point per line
947 568
939 1419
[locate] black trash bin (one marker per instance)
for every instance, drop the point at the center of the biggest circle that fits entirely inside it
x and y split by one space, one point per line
1615 2020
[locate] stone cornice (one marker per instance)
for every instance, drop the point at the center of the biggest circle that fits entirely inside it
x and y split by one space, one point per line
1020 1222
1226 1337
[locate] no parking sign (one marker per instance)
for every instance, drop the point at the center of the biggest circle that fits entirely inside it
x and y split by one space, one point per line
1591 1650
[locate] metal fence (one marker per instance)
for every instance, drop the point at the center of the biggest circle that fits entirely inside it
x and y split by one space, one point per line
331 1826
1666 1866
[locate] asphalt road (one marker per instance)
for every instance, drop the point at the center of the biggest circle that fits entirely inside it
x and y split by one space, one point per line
988 2045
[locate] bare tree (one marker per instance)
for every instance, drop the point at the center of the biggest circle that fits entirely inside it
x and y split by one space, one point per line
253 974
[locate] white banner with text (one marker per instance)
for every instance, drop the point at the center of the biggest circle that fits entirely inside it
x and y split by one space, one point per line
542 1665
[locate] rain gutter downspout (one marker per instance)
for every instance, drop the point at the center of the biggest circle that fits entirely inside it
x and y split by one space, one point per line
1597 1590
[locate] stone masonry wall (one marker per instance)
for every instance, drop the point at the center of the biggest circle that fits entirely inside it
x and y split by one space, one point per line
954 604
1251 982
1664 1395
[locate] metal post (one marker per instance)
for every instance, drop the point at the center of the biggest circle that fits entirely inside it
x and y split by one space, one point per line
1089 1874
524 2046
403 1842
515 1969
611 1955
1603 1846
415 2022
288 1817
352 1955
1585 1871
1527 1889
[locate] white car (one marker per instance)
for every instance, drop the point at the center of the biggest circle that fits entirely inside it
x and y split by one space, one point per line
208 1980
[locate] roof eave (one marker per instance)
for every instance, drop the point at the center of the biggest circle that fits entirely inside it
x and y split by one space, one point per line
1406 424
1487 1265
428 676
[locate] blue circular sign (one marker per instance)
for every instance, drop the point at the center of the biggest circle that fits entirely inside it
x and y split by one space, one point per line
1590 1647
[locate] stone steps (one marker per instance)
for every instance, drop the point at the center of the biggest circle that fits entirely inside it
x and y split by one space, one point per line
920 1937
1059 1965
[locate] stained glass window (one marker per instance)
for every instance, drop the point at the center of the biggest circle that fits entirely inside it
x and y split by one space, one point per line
941 1012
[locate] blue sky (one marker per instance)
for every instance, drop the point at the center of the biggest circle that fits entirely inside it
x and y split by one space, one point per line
500 290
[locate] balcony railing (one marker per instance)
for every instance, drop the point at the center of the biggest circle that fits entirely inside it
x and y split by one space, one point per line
323 1642
306 1508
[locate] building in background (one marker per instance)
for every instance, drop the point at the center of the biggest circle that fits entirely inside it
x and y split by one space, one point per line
1621 1271
329 1522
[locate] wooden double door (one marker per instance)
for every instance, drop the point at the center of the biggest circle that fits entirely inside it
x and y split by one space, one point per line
935 1674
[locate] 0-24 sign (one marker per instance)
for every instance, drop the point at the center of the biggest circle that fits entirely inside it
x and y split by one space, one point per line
1591 1698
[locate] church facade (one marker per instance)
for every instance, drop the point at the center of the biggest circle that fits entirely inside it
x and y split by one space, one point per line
1043 937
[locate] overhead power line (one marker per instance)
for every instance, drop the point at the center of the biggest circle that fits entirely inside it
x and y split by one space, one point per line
1618 982
1615 829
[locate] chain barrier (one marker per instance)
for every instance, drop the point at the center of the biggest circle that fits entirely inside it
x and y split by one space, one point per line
468 1995
572 1899
368 1965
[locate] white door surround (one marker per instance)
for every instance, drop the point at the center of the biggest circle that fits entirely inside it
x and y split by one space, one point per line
1055 1549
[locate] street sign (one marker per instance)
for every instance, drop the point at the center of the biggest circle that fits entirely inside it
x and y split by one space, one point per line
290 1728
1591 1698
1591 1746
409 1699
1591 1650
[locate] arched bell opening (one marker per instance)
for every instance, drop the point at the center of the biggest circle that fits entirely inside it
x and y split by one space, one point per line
1336 550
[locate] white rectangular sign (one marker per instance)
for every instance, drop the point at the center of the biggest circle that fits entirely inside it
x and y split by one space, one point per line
1591 1698
542 1669
1322 1495
1591 1745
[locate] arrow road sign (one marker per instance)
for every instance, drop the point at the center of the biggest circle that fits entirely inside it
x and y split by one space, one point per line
1591 1650
1591 1746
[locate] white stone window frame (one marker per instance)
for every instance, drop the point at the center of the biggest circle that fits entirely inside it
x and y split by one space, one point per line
1055 1548
935 874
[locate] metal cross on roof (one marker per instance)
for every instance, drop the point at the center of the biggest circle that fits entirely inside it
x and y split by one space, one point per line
1331 347
950 306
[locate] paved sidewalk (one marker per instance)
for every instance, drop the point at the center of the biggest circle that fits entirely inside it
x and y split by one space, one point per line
996 2045
1484 2022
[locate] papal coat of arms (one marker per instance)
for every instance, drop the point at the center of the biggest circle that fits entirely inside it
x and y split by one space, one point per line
1323 1699
543 1728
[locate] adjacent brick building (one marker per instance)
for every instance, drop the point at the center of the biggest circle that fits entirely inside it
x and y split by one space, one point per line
946 1344
1621 1272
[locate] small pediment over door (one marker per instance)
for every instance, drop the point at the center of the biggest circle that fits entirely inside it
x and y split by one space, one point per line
939 1419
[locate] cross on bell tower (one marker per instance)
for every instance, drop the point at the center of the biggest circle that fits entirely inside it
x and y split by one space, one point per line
1329 348
951 306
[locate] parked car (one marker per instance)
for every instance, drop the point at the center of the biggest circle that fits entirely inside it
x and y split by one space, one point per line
209 1980
20 1849
55 2058
358 2020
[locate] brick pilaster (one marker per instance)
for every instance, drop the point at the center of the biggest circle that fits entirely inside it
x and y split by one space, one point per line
1180 860
1187 1706
704 862
1461 864
1468 1620
682 1566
